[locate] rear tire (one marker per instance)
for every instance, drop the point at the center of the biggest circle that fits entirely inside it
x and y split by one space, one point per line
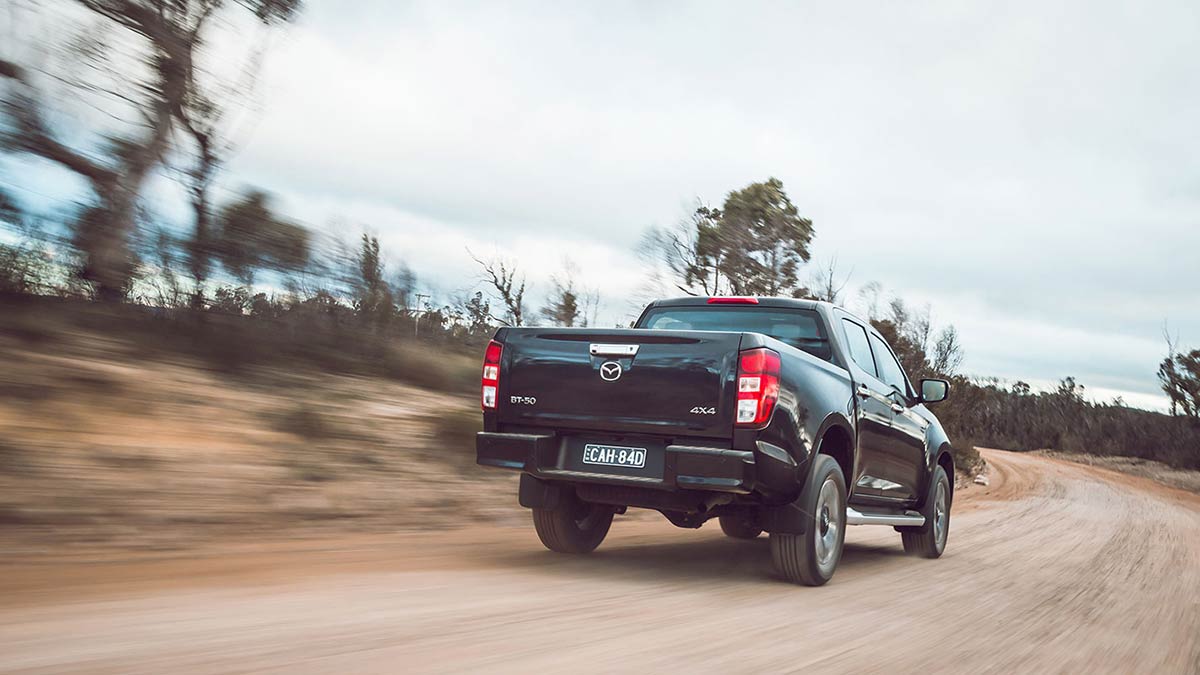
578 527
740 526
811 558
929 540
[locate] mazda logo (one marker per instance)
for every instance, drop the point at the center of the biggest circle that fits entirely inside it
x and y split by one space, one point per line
610 371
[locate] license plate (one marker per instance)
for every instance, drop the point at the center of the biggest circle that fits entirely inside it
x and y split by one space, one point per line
614 455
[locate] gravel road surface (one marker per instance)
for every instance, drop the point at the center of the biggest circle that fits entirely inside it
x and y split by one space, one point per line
1053 567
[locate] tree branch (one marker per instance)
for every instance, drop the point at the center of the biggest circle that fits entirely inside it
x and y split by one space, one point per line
31 134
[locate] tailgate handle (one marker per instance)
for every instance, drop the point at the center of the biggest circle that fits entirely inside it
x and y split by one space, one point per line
612 350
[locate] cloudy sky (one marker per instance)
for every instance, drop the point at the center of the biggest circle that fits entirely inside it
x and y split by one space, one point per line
1030 170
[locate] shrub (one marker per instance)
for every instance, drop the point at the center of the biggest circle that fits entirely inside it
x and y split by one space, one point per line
983 413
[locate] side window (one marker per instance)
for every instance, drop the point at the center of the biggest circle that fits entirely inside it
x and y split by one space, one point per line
860 350
889 369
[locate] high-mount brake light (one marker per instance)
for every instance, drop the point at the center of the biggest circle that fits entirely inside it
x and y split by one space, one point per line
490 383
732 300
758 386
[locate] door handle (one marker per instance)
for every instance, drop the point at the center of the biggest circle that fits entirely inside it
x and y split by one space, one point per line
897 408
863 392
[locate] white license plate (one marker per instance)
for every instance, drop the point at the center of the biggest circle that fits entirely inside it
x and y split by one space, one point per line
614 455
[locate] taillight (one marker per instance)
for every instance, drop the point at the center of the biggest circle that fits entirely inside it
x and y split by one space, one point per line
490 384
758 386
732 300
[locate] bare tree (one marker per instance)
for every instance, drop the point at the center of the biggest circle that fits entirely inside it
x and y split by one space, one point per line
26 265
164 283
676 252
869 297
910 332
589 307
507 284
915 325
825 284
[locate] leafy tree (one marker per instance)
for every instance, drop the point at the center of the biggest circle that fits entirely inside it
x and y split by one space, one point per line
1179 375
251 237
231 300
756 241
947 353
476 314
374 298
563 307
569 305
267 306
154 103
404 286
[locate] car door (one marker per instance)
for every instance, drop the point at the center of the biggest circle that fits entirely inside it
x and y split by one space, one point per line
874 412
902 461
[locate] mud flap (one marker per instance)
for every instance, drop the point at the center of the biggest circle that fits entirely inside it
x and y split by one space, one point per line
784 519
540 494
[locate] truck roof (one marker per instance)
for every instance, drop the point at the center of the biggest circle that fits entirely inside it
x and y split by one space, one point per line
764 301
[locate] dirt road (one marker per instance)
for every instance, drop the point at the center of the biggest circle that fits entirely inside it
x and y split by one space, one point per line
1054 567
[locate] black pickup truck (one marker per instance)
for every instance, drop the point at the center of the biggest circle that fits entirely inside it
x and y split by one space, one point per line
792 417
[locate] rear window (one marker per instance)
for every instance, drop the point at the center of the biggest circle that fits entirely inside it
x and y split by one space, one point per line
800 328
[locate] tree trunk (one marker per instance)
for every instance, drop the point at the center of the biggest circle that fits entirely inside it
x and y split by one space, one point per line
200 249
110 262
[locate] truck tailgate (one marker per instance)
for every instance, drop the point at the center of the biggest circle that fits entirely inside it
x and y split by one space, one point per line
634 381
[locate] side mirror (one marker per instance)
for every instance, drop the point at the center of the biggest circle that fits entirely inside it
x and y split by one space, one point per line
933 391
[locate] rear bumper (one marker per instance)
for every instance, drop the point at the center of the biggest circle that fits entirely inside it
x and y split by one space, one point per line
684 467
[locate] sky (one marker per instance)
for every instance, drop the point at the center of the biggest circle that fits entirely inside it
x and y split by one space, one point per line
1029 170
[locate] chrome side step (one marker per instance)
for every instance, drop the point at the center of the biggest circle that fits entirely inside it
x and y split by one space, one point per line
906 519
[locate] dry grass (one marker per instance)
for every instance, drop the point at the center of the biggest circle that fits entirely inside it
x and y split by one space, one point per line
104 447
1183 479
